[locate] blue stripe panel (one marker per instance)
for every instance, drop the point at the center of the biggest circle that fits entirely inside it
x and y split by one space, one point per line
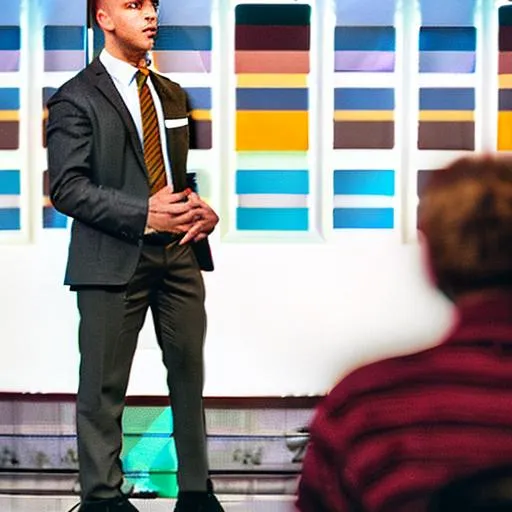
184 38
365 39
10 183
272 219
347 98
10 13
363 218
10 38
10 219
64 38
190 13
380 183
60 12
272 99
9 98
367 12
448 39
272 182
448 13
447 99
52 219
200 98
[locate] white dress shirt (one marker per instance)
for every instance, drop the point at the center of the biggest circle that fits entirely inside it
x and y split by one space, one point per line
123 76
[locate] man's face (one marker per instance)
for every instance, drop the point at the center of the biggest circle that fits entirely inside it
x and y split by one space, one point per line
131 26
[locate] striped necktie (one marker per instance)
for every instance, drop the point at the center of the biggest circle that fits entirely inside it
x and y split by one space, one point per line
153 156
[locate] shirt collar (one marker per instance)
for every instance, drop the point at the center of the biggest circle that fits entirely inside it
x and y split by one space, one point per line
118 69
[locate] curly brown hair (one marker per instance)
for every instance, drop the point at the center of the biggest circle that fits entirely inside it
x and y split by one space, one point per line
465 214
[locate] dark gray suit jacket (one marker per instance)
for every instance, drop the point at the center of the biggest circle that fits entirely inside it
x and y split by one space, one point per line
98 176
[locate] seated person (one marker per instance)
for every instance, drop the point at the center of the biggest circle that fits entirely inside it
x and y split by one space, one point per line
392 432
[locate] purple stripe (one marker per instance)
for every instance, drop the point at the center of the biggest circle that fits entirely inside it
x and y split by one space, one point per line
9 60
183 61
364 61
447 62
64 60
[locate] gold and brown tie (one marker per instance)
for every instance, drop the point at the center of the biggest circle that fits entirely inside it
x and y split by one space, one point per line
153 156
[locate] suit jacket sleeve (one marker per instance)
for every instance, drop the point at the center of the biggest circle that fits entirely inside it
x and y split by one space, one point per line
72 189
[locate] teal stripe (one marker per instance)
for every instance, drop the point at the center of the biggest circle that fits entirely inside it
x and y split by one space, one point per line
272 219
272 182
363 218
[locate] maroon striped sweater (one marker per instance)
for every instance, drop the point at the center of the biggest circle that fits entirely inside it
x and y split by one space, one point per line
392 432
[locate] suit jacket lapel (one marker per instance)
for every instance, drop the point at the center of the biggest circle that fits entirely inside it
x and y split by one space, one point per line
172 109
104 83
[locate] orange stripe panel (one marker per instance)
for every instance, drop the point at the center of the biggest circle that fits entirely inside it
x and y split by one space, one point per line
272 131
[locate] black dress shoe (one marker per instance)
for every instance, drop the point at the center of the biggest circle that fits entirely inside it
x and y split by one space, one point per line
120 504
198 501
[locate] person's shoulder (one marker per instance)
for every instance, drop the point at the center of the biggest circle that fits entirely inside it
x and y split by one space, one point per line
74 88
360 384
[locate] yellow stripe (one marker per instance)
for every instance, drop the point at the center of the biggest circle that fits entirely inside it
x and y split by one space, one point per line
201 115
272 131
447 115
505 81
271 80
9 115
505 131
364 115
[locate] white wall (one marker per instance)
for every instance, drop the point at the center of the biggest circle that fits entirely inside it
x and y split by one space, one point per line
284 319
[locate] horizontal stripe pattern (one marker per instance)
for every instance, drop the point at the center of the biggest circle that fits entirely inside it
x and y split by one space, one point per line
64 48
200 123
446 119
364 49
272 61
184 42
505 81
364 118
448 37
9 118
357 194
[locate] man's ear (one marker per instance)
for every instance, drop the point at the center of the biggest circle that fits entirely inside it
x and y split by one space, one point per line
104 20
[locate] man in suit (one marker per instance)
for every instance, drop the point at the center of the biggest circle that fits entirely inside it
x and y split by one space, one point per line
117 150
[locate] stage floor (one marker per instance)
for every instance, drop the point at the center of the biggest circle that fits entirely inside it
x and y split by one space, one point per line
231 503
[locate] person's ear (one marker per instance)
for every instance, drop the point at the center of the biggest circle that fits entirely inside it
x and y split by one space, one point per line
104 20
